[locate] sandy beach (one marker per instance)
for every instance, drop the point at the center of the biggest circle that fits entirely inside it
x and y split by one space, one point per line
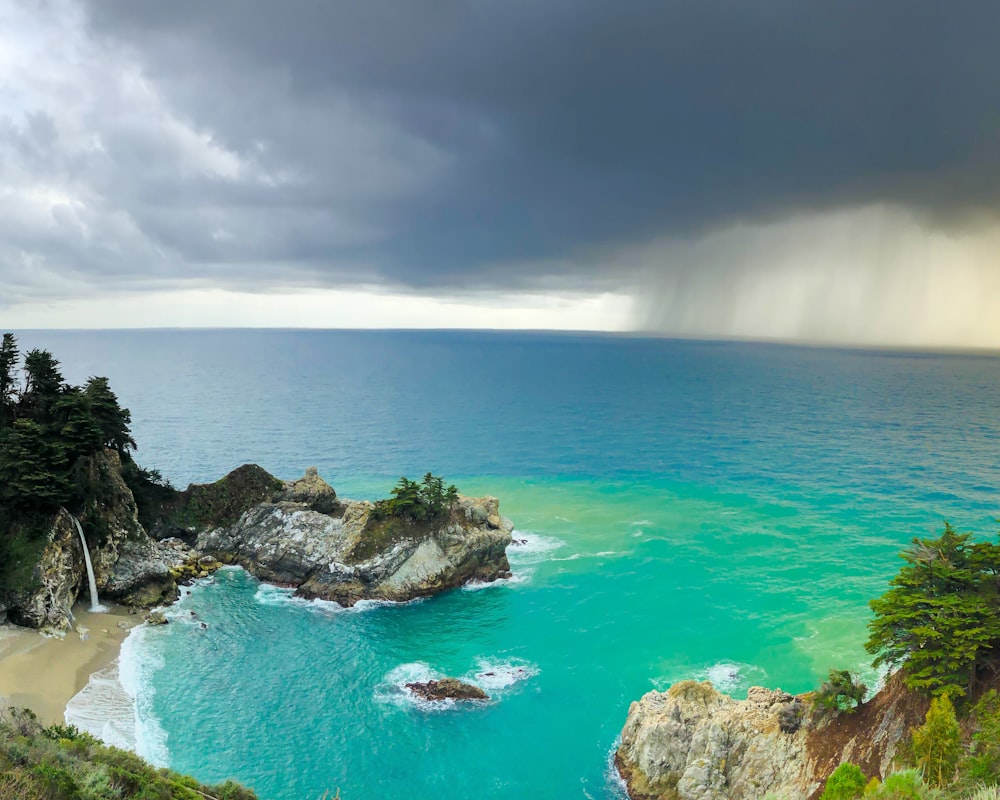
44 673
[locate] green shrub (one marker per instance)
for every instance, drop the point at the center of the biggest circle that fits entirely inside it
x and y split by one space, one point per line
842 691
937 744
903 785
846 783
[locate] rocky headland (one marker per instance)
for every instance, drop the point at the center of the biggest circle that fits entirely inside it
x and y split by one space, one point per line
294 533
694 743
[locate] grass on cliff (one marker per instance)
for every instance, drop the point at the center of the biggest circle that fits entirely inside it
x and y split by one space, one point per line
21 546
213 505
412 512
60 763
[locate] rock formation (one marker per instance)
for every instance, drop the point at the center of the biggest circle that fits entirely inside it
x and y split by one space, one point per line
693 743
447 689
294 533
338 550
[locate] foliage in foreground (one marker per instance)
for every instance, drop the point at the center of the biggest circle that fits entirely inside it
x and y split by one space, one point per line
941 618
60 763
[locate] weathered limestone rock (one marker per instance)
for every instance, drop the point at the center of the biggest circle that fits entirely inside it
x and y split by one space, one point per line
295 533
347 556
56 580
693 743
447 689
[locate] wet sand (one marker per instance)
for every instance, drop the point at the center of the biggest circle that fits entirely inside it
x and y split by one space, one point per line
44 673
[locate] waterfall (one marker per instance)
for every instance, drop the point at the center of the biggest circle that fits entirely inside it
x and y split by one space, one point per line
95 604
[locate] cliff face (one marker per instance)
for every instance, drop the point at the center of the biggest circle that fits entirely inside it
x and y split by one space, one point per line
693 743
334 549
295 533
130 568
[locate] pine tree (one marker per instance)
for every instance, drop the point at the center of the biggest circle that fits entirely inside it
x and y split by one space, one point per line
111 418
9 355
937 744
940 616
43 383
33 471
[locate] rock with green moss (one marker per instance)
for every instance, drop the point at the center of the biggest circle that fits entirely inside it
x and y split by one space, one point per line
349 553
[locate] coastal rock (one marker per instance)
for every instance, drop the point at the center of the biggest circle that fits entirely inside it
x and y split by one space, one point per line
693 743
348 555
130 568
447 689
54 582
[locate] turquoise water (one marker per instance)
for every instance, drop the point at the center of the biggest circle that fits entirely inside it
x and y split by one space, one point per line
691 510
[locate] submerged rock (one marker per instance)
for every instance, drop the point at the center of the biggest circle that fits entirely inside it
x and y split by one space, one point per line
447 689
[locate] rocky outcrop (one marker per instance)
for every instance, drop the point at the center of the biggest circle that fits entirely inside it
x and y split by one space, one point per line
130 568
296 533
337 549
447 689
55 581
693 743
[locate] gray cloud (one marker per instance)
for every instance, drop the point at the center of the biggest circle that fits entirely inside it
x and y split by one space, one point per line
515 144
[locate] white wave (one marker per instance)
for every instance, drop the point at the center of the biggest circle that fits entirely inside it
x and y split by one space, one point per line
639 522
104 709
270 595
729 676
493 676
573 557
393 689
136 665
521 576
490 675
116 704
616 786
529 548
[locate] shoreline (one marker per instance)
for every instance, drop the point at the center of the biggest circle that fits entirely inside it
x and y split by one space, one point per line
45 673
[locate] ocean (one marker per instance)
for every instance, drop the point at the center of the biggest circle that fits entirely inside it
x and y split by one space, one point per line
689 510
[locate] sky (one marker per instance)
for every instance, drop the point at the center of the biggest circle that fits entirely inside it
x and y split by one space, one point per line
824 172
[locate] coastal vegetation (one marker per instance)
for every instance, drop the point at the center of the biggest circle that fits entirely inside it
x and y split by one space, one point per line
427 500
61 763
939 624
939 620
49 432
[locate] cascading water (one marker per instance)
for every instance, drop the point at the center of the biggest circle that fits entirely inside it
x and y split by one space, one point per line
95 604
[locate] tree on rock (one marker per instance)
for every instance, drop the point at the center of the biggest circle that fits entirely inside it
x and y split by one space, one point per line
33 475
940 619
9 355
111 418
43 383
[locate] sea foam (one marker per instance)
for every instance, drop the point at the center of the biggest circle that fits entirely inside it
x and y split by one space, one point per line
116 704
493 676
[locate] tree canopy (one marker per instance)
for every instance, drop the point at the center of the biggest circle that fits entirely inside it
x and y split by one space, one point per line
47 426
940 619
428 499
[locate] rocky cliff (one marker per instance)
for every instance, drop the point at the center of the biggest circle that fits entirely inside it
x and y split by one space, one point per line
295 533
693 743
340 550
130 567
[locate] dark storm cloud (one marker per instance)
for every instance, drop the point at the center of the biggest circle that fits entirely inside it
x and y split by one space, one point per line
462 145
